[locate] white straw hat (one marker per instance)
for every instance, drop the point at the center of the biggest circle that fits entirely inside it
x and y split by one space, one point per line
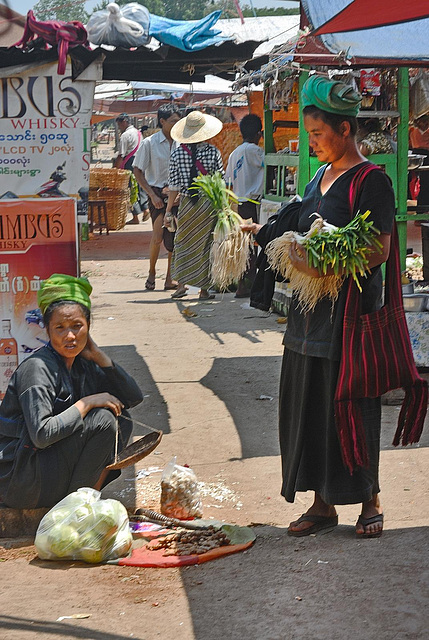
196 127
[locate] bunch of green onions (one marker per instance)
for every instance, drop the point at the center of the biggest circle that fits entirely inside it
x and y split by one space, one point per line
344 250
229 255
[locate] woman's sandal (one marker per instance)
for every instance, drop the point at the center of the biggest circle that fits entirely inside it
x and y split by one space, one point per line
210 296
171 287
150 285
180 293
320 523
365 522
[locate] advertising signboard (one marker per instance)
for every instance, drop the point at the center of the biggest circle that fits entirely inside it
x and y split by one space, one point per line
45 130
37 238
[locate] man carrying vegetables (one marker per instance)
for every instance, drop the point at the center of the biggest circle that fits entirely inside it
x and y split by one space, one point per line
310 448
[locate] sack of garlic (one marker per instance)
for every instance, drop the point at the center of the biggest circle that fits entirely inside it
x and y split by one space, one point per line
180 492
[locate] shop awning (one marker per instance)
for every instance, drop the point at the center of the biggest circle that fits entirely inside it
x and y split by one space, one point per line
165 64
367 14
392 34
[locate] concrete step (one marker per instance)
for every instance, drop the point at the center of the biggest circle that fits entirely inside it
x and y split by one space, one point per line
17 523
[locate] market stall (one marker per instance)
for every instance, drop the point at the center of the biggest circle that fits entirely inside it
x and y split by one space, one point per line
349 57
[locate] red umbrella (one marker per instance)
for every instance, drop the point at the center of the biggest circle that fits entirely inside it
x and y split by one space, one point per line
368 14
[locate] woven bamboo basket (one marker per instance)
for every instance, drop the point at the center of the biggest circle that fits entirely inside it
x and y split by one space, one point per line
117 205
109 178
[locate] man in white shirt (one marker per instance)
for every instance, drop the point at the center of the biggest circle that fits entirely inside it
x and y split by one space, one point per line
245 176
128 143
151 166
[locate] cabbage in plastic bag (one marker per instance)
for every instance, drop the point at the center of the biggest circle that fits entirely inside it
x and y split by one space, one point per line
126 26
84 527
180 492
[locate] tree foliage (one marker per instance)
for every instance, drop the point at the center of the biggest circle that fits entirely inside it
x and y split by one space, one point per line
174 9
66 10
229 10
268 11
196 9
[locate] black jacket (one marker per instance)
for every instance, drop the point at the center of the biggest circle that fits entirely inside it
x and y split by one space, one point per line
286 219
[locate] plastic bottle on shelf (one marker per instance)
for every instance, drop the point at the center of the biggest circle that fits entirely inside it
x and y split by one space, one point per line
8 356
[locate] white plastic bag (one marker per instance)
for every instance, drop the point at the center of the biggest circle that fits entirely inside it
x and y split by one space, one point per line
84 527
126 26
180 492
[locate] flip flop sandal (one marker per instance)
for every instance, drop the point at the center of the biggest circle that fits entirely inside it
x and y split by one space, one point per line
150 285
211 296
171 287
179 294
365 522
320 524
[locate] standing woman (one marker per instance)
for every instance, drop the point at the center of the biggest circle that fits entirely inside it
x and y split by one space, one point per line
311 454
196 219
58 419
310 448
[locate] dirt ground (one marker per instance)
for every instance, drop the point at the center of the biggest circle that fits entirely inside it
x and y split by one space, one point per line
211 384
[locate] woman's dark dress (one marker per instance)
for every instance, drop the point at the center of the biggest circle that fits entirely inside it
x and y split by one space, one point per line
47 449
311 456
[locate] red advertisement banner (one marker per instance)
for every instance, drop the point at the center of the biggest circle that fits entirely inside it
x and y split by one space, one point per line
38 237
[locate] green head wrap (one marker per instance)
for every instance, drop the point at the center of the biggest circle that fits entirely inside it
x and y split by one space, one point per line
330 96
62 287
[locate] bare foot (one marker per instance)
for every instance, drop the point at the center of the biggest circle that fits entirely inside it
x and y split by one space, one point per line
318 508
370 509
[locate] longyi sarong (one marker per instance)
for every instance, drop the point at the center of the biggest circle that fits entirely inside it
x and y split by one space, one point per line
193 241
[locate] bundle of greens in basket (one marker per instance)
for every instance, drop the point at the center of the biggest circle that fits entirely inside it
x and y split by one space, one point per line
229 255
339 251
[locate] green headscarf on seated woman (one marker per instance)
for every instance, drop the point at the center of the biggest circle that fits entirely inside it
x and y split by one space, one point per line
60 286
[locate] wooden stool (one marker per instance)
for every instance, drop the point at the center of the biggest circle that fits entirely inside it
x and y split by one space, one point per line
100 205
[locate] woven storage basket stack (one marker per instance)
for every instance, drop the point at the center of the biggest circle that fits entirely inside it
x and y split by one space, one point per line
111 185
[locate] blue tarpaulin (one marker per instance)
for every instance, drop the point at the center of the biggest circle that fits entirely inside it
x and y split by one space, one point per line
187 35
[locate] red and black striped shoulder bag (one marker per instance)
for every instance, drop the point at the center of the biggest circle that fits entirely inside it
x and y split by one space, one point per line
376 357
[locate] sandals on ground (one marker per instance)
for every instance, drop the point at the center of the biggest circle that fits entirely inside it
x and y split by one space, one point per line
320 524
180 293
150 285
365 522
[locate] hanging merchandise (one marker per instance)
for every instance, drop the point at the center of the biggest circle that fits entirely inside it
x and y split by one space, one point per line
132 25
63 35
126 26
370 83
283 93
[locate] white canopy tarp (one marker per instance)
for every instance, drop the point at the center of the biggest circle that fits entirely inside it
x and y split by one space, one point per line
273 30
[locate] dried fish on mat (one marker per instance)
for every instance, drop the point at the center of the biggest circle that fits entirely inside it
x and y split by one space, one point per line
189 543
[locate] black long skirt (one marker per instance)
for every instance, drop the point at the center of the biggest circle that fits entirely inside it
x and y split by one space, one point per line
310 449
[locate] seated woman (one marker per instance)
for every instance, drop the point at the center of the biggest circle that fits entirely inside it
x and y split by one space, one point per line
58 419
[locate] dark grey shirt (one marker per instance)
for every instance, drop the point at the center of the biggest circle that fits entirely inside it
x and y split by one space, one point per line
37 410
